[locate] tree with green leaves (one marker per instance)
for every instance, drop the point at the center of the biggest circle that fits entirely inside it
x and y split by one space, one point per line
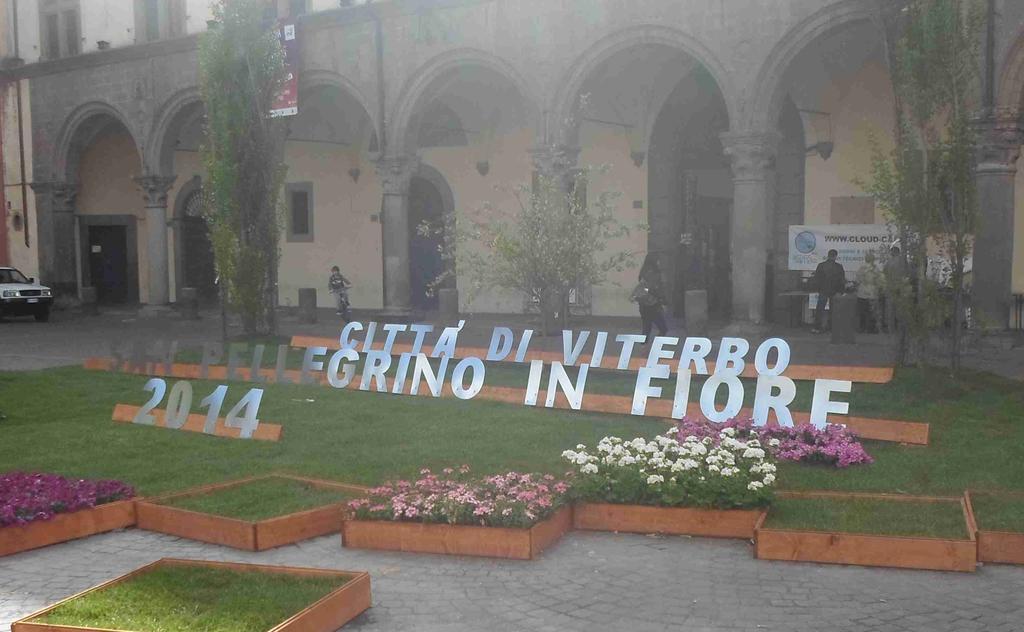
241 68
926 183
554 241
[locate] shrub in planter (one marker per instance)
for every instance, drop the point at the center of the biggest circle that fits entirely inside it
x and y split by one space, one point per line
454 497
721 473
835 445
28 497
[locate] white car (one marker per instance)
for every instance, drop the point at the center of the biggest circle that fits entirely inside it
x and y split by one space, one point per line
20 296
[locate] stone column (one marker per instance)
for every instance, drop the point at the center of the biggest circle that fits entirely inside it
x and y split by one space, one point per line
154 191
556 161
753 176
999 141
55 225
395 174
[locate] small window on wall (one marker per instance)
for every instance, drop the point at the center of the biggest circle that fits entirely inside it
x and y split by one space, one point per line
59 28
300 211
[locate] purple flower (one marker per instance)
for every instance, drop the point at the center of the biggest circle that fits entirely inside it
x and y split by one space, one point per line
26 497
834 445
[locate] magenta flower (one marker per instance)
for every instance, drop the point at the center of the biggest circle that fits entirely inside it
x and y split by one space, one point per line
26 497
834 445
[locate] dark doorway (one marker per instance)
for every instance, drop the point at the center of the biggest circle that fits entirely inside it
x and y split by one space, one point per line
427 207
108 263
198 265
704 261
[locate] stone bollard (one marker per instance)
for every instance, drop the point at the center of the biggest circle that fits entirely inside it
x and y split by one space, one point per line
448 303
844 318
188 303
307 305
90 301
696 311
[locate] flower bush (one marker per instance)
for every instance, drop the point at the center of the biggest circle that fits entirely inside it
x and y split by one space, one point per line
454 497
30 497
834 445
721 473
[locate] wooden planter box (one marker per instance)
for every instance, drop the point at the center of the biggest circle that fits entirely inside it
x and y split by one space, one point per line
418 537
243 534
715 523
67 526
1000 547
326 615
924 553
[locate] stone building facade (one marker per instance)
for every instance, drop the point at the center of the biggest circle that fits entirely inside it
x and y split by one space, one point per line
710 115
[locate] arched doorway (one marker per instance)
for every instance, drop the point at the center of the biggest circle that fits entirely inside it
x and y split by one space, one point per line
198 265
430 203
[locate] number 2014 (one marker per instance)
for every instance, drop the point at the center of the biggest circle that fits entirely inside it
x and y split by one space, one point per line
179 404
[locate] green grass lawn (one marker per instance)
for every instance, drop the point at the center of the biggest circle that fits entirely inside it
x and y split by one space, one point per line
195 599
998 512
261 499
59 421
889 517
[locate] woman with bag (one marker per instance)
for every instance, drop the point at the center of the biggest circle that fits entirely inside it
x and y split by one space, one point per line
650 297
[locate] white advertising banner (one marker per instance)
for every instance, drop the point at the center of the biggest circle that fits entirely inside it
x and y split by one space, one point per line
809 245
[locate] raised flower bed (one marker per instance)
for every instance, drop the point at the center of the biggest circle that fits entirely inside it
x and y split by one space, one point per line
513 515
1000 521
869 530
196 596
706 487
253 514
37 510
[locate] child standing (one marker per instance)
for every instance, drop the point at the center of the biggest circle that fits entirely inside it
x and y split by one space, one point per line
339 285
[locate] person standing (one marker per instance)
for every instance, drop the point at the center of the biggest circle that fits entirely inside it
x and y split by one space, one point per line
339 285
867 294
829 280
649 296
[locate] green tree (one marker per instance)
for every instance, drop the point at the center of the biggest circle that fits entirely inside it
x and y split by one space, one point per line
555 240
925 184
241 69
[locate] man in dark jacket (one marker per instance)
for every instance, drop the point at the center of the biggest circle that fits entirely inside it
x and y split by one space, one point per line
829 280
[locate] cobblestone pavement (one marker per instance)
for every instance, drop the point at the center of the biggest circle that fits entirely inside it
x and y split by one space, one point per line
588 581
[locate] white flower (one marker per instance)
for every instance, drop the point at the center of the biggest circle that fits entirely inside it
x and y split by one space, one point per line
769 479
755 469
569 455
690 464
713 468
626 460
774 442
753 453
580 446
589 468
582 458
727 432
768 467
655 478
729 471
754 485
639 443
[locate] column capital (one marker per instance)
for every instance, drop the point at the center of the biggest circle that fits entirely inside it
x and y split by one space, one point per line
395 172
752 153
155 189
62 194
555 160
999 137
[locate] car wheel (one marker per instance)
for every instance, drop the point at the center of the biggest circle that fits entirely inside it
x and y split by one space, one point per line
43 314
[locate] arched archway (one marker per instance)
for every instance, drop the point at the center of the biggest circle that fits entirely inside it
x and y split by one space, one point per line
194 259
649 101
94 201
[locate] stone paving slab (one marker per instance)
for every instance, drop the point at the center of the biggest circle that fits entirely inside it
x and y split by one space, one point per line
589 581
